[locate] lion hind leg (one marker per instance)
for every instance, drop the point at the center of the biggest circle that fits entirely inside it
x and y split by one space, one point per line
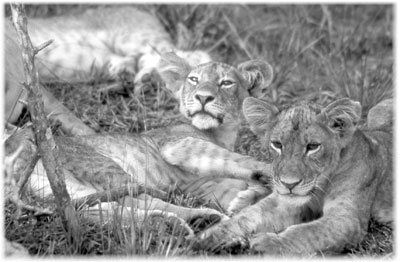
149 203
111 212
58 112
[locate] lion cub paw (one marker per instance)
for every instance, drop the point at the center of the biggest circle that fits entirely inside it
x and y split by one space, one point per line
271 244
119 64
146 78
223 235
242 200
247 198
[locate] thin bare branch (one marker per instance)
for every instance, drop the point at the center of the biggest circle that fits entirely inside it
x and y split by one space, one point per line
44 139
43 46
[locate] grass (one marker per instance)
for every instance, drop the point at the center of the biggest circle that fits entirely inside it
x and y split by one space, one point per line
317 53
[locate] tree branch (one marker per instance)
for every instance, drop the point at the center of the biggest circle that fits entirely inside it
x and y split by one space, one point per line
44 139
43 46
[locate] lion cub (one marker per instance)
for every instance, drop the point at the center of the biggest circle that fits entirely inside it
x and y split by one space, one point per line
210 97
116 42
108 41
329 178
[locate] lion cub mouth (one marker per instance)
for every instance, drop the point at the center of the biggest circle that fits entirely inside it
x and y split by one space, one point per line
293 193
295 198
205 120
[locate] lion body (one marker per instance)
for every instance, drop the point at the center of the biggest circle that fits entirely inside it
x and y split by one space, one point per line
14 76
16 96
119 42
173 156
104 41
329 177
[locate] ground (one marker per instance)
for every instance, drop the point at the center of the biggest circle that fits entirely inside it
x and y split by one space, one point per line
318 53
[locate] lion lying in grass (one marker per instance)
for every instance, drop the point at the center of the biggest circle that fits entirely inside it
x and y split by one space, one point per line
210 97
329 178
119 42
107 41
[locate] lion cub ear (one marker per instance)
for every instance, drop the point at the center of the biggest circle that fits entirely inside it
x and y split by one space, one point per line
259 115
173 71
342 116
258 73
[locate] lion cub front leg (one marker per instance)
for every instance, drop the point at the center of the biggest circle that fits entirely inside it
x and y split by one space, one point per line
208 159
270 214
247 197
340 225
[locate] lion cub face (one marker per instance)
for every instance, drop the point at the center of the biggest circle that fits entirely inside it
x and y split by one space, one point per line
305 141
211 94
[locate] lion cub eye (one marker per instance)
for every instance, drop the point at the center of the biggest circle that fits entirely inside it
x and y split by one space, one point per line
313 147
193 80
226 83
277 146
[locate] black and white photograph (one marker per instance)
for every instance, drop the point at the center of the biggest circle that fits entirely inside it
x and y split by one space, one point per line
198 130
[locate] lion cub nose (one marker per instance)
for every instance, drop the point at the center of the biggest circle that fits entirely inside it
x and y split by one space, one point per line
204 99
290 184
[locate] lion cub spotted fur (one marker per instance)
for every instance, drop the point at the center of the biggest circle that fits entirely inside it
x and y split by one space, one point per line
116 42
107 40
210 97
329 178
16 95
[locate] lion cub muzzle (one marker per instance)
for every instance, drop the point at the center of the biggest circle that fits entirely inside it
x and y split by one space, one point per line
290 184
204 97
296 186
206 109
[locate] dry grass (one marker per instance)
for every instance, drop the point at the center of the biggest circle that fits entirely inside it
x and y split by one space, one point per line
317 55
